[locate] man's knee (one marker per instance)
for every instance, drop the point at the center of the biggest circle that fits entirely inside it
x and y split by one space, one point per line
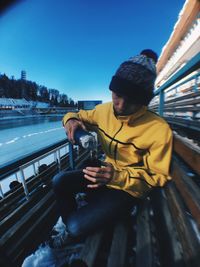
74 228
58 180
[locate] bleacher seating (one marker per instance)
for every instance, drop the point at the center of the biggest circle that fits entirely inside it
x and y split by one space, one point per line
20 107
182 111
9 113
21 103
162 231
14 103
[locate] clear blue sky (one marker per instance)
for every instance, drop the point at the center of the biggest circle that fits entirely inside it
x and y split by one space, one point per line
75 46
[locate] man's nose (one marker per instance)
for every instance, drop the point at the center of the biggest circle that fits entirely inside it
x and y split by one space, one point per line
121 104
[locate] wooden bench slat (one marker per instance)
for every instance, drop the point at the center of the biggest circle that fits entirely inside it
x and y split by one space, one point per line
20 248
188 190
183 122
190 155
185 96
184 109
19 211
171 252
8 235
187 235
184 103
90 249
118 252
144 251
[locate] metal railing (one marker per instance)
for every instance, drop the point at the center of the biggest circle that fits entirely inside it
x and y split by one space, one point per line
53 153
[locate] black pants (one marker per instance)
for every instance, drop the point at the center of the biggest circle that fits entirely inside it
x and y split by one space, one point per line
104 206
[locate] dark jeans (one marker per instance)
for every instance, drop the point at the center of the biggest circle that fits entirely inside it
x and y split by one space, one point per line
104 206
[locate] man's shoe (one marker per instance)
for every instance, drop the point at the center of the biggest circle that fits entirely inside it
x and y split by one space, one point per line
60 240
58 227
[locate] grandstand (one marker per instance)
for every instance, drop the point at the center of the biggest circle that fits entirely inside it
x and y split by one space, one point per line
10 103
10 107
178 81
21 107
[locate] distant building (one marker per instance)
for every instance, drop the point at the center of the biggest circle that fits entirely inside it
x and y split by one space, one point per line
88 104
23 75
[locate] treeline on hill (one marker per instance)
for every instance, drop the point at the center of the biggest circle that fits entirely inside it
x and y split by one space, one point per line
12 88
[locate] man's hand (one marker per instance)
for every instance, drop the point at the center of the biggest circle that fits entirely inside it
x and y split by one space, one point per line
71 126
99 176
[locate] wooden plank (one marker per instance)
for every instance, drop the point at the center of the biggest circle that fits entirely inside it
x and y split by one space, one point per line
118 252
19 211
169 246
9 203
191 124
189 154
90 249
188 190
30 239
10 234
10 197
144 252
185 96
184 109
184 103
7 208
187 235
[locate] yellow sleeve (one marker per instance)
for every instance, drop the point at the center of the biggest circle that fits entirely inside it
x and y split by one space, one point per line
139 180
87 116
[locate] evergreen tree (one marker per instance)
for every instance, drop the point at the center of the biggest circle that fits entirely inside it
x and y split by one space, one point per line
12 88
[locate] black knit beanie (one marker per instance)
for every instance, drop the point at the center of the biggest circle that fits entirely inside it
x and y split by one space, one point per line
135 78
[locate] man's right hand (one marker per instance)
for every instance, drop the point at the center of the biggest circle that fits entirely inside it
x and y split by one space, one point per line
71 126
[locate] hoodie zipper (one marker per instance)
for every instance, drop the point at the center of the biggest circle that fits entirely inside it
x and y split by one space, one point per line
114 137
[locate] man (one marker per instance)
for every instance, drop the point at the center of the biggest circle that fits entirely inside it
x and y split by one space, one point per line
137 144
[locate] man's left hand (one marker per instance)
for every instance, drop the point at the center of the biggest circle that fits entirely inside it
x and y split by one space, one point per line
99 176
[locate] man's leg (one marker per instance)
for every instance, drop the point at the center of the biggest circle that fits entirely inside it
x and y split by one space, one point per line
65 185
105 206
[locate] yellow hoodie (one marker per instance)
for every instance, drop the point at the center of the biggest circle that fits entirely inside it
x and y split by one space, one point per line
138 146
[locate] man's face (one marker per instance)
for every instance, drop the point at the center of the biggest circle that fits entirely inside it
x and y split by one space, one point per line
122 106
